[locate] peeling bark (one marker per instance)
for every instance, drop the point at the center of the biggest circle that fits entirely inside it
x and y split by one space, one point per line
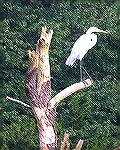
38 89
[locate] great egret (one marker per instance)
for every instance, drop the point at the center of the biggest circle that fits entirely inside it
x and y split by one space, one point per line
81 47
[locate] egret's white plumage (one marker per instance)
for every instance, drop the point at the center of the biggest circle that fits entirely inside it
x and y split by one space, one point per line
83 44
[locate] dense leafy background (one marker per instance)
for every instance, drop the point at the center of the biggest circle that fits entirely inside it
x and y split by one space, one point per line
94 113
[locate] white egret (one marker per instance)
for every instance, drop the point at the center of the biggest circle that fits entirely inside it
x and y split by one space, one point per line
81 47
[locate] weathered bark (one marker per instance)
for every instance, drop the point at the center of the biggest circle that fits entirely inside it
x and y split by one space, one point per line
38 89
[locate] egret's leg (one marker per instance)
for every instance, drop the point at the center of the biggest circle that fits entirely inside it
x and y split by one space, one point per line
81 79
87 73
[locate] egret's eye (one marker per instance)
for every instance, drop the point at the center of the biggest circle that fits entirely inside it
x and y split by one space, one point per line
91 39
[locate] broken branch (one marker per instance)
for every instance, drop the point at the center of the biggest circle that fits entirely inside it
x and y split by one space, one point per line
79 145
18 101
65 145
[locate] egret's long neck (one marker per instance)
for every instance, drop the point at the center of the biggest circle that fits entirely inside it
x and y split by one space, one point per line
89 32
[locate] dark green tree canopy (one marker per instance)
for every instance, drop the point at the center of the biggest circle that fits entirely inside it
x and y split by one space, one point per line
92 114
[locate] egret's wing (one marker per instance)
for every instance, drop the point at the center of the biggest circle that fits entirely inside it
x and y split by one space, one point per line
70 61
79 49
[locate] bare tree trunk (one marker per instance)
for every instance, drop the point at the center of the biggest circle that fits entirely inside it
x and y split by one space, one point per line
38 89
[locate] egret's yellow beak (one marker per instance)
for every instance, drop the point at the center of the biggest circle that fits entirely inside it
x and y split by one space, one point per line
99 30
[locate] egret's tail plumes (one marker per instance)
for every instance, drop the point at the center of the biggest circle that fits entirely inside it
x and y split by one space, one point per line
70 61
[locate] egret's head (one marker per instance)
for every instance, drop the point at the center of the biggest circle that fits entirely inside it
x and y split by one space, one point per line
94 29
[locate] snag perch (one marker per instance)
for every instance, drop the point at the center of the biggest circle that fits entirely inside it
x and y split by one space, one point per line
38 90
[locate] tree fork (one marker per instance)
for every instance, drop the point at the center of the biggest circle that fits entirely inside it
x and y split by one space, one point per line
38 89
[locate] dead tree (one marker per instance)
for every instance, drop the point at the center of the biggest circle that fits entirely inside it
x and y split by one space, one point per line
118 148
38 90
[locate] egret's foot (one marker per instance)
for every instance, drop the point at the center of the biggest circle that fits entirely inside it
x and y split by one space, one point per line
85 83
90 78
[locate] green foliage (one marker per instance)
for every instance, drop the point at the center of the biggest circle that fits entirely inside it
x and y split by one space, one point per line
16 130
92 114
